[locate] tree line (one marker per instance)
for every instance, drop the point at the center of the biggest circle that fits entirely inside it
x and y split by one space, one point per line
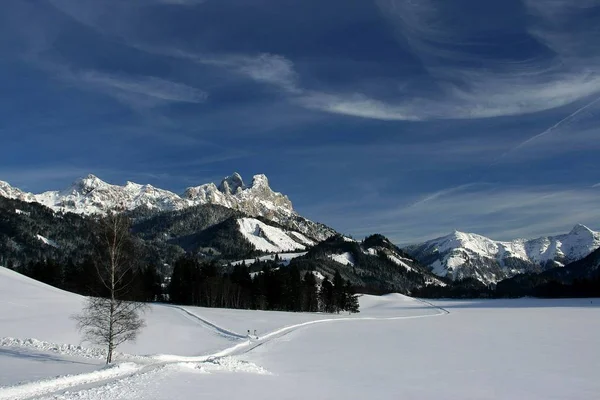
144 281
201 283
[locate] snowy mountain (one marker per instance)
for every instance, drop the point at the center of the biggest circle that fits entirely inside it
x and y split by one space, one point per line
256 199
6 190
577 279
91 195
374 263
461 255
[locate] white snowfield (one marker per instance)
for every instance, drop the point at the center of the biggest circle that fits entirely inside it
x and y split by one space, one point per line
397 347
271 239
344 258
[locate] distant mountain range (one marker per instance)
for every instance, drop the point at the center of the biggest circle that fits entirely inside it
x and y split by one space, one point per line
467 255
91 195
226 222
232 221
578 279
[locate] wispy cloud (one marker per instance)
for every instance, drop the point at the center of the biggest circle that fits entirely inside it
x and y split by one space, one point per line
467 85
555 28
359 105
576 131
264 68
486 95
150 86
133 90
443 193
473 86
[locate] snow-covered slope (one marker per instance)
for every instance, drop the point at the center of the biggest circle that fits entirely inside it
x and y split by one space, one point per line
461 255
271 239
91 195
345 258
6 190
359 356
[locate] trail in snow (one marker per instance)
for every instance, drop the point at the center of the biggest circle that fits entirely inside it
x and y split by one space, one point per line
221 331
152 364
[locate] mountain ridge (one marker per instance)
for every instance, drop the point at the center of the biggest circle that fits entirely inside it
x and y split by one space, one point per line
467 255
91 195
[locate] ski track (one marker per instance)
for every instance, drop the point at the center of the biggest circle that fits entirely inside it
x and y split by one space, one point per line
153 364
221 331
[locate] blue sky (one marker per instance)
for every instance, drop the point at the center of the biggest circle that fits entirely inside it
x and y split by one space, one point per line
409 118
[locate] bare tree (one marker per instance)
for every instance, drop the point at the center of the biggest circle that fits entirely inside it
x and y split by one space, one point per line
111 320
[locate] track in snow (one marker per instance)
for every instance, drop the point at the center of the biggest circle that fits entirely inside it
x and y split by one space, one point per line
219 330
153 364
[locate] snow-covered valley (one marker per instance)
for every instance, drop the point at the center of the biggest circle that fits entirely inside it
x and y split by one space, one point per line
396 347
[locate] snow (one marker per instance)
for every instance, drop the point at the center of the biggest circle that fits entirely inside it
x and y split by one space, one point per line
256 199
63 382
91 195
284 258
266 237
396 347
318 275
575 245
301 238
398 261
47 241
344 258
459 248
371 251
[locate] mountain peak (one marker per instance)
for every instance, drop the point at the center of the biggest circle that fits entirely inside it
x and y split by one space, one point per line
89 180
232 184
581 229
86 184
260 180
460 255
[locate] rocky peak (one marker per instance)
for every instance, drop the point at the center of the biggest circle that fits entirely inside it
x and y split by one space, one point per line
87 184
260 181
232 184
581 230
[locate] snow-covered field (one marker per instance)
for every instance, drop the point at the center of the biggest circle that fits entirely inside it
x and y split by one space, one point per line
396 348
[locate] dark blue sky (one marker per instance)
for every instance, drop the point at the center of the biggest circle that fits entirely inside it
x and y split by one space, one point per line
409 118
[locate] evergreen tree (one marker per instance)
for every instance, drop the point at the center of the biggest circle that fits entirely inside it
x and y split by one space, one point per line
310 298
326 296
339 294
351 299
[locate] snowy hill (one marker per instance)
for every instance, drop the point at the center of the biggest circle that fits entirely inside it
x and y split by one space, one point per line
374 263
91 195
187 352
461 255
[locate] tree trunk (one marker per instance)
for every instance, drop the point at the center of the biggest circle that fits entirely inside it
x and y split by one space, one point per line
111 330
